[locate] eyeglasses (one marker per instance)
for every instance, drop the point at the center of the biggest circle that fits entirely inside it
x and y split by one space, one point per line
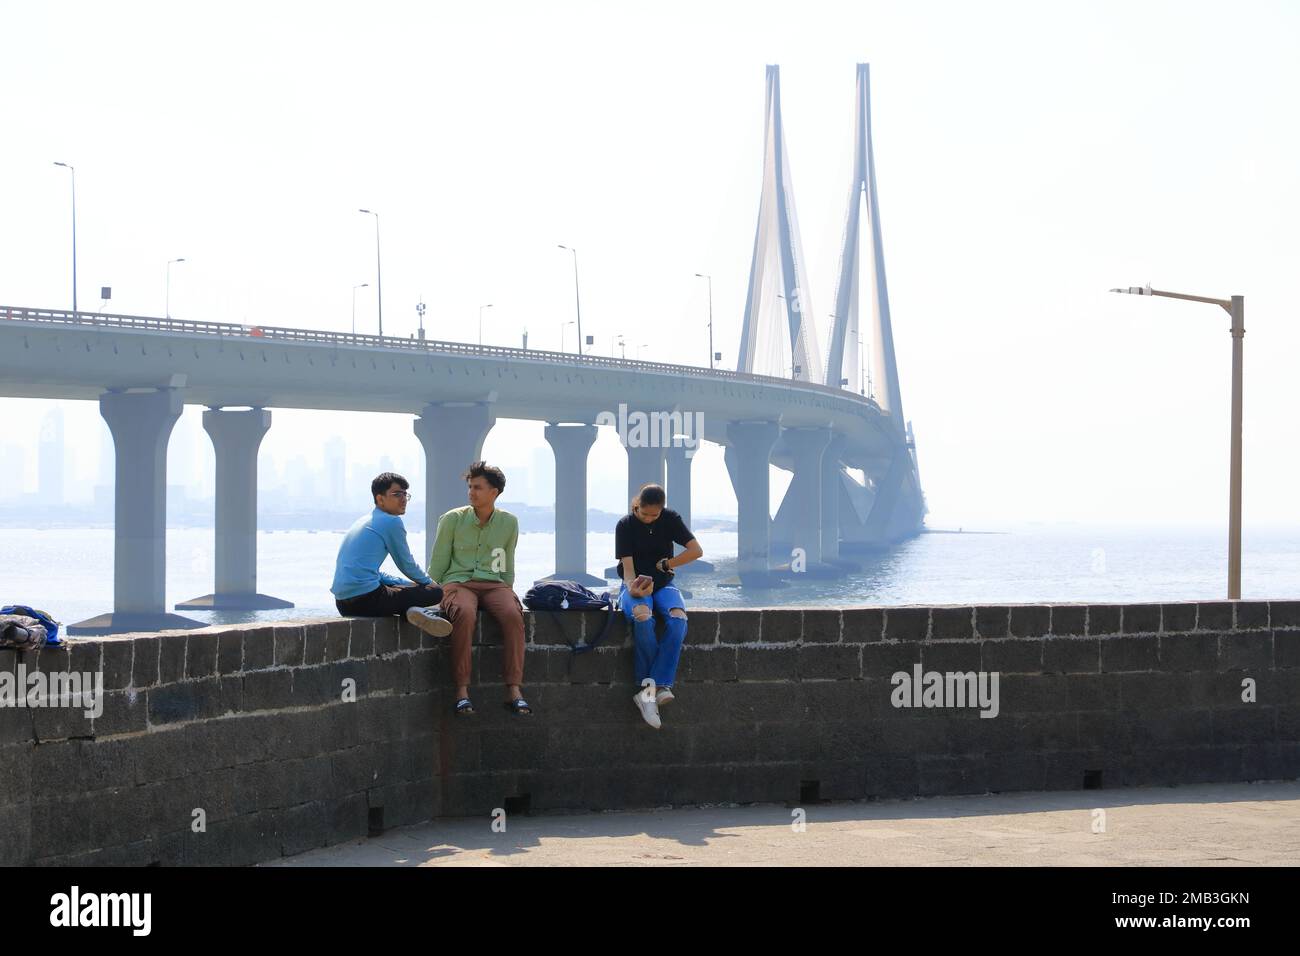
401 495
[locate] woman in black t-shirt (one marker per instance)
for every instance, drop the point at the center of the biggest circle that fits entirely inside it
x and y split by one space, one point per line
643 549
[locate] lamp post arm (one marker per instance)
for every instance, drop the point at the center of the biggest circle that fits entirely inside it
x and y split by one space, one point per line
1224 304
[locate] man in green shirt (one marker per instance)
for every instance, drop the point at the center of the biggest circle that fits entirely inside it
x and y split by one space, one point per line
474 560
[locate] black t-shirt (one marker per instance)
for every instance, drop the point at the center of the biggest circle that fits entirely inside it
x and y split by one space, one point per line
646 544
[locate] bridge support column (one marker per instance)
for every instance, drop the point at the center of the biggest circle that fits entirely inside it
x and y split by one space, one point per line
749 452
678 459
802 507
855 506
236 436
141 423
452 434
571 443
644 466
831 491
897 511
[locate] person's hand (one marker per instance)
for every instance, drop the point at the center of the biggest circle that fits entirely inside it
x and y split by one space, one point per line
641 586
663 567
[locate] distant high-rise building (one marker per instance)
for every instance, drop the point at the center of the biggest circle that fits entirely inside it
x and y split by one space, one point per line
519 481
336 467
11 472
302 483
359 476
542 481
268 474
49 470
191 461
107 456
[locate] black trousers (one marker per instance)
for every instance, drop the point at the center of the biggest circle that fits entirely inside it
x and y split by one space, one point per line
388 599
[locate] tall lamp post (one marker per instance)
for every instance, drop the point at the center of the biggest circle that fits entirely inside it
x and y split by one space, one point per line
480 321
862 359
379 276
363 285
701 275
564 327
1236 308
577 298
167 298
74 234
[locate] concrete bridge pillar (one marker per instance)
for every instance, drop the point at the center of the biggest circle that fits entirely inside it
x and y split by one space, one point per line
678 459
831 482
897 510
677 466
236 437
141 423
571 443
645 465
888 512
749 451
452 434
803 504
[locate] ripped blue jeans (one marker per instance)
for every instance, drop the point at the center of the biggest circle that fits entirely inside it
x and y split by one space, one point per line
656 657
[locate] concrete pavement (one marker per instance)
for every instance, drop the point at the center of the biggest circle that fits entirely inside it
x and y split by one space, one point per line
1207 825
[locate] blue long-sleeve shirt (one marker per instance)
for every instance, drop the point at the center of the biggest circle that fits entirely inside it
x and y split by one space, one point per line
371 539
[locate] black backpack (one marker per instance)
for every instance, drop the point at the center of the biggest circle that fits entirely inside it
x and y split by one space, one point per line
553 596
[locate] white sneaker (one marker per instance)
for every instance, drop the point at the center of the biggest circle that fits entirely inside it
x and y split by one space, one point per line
649 709
664 696
429 620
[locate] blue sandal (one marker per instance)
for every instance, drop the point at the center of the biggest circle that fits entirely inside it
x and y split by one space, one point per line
464 707
518 707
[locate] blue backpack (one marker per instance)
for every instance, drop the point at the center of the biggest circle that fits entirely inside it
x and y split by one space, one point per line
51 626
554 596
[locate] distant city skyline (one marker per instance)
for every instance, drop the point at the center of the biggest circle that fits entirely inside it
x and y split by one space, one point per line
339 478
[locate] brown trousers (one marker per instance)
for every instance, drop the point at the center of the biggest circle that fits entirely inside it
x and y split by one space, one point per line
460 605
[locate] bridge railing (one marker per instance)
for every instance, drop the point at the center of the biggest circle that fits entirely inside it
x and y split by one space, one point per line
337 339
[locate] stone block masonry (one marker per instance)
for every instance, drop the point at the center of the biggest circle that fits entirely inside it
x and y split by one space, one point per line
235 745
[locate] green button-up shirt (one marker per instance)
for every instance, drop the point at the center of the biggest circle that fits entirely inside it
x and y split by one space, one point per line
464 550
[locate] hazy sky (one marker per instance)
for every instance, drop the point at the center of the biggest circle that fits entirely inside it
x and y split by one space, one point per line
1029 157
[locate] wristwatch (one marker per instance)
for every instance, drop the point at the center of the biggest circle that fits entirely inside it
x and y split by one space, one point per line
662 565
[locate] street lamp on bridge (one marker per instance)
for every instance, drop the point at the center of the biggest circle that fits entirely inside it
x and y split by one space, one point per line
363 285
712 354
1236 308
167 297
73 170
379 276
480 321
864 377
577 298
564 327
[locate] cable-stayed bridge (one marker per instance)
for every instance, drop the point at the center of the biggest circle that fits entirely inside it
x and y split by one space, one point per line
786 404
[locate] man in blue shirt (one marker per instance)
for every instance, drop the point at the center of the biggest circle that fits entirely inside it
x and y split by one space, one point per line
360 589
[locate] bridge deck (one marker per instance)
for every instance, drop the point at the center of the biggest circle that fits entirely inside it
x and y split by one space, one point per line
61 355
